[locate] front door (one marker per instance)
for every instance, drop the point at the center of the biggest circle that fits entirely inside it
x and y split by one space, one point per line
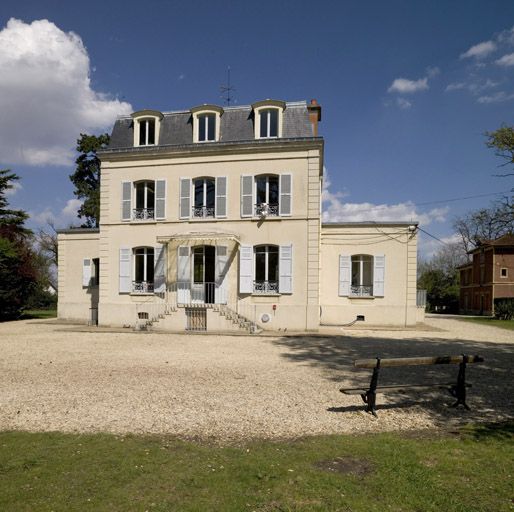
204 270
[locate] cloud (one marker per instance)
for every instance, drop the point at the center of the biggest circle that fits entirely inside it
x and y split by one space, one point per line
336 210
405 86
15 187
506 60
428 246
403 103
498 97
480 50
473 87
46 98
66 217
433 71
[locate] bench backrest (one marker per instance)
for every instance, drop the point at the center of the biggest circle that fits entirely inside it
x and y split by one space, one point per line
416 361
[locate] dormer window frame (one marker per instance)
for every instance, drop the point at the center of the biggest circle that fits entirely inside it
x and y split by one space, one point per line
261 110
198 114
145 116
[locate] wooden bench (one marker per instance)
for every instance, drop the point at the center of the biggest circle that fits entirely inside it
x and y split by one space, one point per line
456 389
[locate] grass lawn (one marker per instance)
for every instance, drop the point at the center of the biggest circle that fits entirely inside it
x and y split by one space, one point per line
38 313
504 324
469 470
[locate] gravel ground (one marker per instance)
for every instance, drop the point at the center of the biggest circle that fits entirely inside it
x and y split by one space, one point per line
229 388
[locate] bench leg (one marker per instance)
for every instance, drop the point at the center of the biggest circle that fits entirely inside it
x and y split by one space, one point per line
370 398
459 390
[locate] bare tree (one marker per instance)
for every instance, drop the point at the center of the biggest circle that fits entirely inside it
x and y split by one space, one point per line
47 247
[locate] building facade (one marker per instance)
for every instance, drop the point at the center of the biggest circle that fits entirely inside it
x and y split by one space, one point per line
488 276
211 219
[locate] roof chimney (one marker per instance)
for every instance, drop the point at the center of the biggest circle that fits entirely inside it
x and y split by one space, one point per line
314 116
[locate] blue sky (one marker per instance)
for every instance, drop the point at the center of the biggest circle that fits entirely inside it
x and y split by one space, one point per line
408 89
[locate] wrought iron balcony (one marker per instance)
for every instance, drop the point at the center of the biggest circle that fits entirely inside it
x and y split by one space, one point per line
361 291
266 210
143 214
142 287
202 212
265 287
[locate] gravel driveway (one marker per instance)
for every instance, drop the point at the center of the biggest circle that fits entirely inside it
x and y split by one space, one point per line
58 377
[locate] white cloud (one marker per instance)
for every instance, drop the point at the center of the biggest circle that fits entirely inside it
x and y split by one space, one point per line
428 246
66 217
403 103
456 86
405 86
475 88
69 212
15 187
46 97
336 210
433 71
480 50
498 97
507 60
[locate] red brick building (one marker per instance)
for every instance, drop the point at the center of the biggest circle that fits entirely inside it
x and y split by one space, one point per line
488 276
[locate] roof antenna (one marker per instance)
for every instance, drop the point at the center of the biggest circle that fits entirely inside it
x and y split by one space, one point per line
226 90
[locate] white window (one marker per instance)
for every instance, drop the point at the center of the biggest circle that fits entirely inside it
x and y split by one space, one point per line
146 127
268 123
146 132
207 127
268 119
266 269
362 275
204 197
206 123
504 272
145 200
143 270
266 195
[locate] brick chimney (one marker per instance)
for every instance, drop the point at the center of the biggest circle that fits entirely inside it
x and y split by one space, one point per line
314 116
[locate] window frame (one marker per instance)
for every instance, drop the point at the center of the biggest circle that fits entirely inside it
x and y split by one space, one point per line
272 209
147 286
506 273
144 116
266 288
197 113
362 259
259 108
146 215
205 208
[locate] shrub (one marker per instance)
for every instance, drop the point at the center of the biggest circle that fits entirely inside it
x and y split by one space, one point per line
504 309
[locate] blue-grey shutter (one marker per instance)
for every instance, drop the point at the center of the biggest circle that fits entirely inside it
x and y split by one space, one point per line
246 269
126 200
159 276
185 198
246 196
125 270
344 275
221 196
286 194
378 275
285 269
86 272
160 199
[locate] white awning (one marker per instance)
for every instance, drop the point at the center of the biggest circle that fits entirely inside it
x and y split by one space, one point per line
198 238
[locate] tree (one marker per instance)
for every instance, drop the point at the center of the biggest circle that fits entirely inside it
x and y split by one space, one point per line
47 248
86 177
502 140
440 278
19 269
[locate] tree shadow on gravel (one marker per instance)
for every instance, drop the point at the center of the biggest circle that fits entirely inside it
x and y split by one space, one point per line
490 396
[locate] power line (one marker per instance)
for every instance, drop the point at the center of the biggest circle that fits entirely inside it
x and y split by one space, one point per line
433 236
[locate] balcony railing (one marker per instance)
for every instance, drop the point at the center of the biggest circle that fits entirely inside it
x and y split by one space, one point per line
266 210
143 214
142 287
202 212
186 292
361 291
265 287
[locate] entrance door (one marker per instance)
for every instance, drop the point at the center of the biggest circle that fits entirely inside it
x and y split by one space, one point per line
203 287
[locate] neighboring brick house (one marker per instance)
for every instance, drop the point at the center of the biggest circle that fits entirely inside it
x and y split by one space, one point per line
211 218
488 276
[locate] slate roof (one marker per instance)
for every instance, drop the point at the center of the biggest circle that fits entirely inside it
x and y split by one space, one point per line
236 126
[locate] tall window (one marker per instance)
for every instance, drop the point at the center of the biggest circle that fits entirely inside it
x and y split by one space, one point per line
362 275
268 123
266 269
266 195
143 270
145 200
205 197
206 127
147 132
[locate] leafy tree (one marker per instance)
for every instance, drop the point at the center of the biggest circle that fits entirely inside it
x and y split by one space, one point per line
502 140
86 177
47 249
19 269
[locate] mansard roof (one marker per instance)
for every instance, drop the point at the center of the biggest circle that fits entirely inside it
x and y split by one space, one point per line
237 125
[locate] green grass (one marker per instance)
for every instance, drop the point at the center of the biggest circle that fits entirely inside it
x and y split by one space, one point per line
493 322
38 313
467 471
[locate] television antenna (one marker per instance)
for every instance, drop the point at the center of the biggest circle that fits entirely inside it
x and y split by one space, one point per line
227 90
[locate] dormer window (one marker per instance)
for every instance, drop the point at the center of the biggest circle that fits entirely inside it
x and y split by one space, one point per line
147 125
206 123
268 119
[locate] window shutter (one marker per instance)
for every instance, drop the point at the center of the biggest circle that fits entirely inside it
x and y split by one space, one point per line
185 198
246 269
183 275
86 272
160 199
221 196
344 275
378 275
125 271
246 196
221 272
159 275
126 200
286 193
285 269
